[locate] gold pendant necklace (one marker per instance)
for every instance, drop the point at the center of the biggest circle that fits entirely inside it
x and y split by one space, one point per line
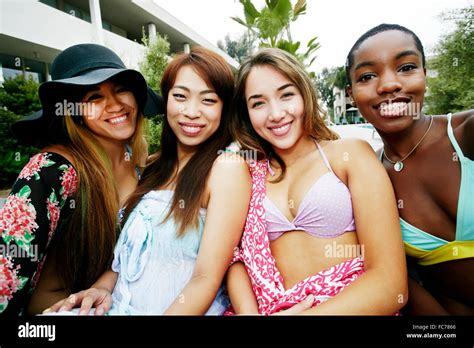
398 165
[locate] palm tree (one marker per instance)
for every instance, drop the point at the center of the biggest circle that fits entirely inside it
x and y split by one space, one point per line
271 26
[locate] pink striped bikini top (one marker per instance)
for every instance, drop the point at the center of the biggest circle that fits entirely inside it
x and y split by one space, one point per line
325 211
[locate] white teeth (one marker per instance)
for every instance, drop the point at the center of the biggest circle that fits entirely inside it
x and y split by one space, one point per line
118 119
190 129
281 129
393 109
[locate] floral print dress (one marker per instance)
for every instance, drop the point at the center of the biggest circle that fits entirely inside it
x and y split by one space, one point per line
40 202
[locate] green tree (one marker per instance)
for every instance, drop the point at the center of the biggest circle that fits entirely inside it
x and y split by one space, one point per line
326 81
156 60
18 97
154 127
452 87
340 79
271 27
13 155
152 68
238 49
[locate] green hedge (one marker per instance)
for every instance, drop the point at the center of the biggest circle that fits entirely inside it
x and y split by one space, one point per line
13 156
18 98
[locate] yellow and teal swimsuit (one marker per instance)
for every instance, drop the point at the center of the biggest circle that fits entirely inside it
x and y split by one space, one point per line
428 249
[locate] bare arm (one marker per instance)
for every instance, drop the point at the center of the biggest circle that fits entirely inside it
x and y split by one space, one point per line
382 288
230 187
243 299
106 281
422 302
99 295
240 290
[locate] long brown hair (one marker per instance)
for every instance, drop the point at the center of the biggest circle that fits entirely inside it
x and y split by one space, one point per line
241 127
84 248
191 181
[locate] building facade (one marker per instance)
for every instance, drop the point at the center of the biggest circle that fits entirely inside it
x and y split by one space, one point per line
33 32
344 112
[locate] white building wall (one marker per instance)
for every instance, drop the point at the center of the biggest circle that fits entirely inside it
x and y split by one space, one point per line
18 19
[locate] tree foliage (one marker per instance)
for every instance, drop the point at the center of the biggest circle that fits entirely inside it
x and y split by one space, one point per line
152 68
327 80
18 97
238 49
271 27
452 87
154 127
155 60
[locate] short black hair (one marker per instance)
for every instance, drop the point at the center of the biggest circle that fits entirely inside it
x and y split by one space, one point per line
379 29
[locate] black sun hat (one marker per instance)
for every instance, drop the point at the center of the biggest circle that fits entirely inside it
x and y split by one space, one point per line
78 67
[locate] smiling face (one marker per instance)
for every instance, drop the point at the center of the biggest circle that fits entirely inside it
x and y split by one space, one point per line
388 80
275 108
111 111
194 109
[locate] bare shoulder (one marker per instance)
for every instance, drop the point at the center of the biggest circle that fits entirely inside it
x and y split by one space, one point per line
347 147
229 166
464 119
463 124
60 150
232 159
463 116
461 120
229 174
348 155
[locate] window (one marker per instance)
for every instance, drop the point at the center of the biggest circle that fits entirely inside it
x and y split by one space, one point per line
77 12
52 3
106 25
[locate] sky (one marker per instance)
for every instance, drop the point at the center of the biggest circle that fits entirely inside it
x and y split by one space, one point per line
337 23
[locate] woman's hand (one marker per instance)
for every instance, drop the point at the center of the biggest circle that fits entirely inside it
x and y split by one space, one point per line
299 307
99 298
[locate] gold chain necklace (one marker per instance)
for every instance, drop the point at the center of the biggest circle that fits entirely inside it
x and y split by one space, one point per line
398 165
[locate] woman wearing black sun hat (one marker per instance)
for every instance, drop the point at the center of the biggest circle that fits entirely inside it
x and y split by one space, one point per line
65 202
